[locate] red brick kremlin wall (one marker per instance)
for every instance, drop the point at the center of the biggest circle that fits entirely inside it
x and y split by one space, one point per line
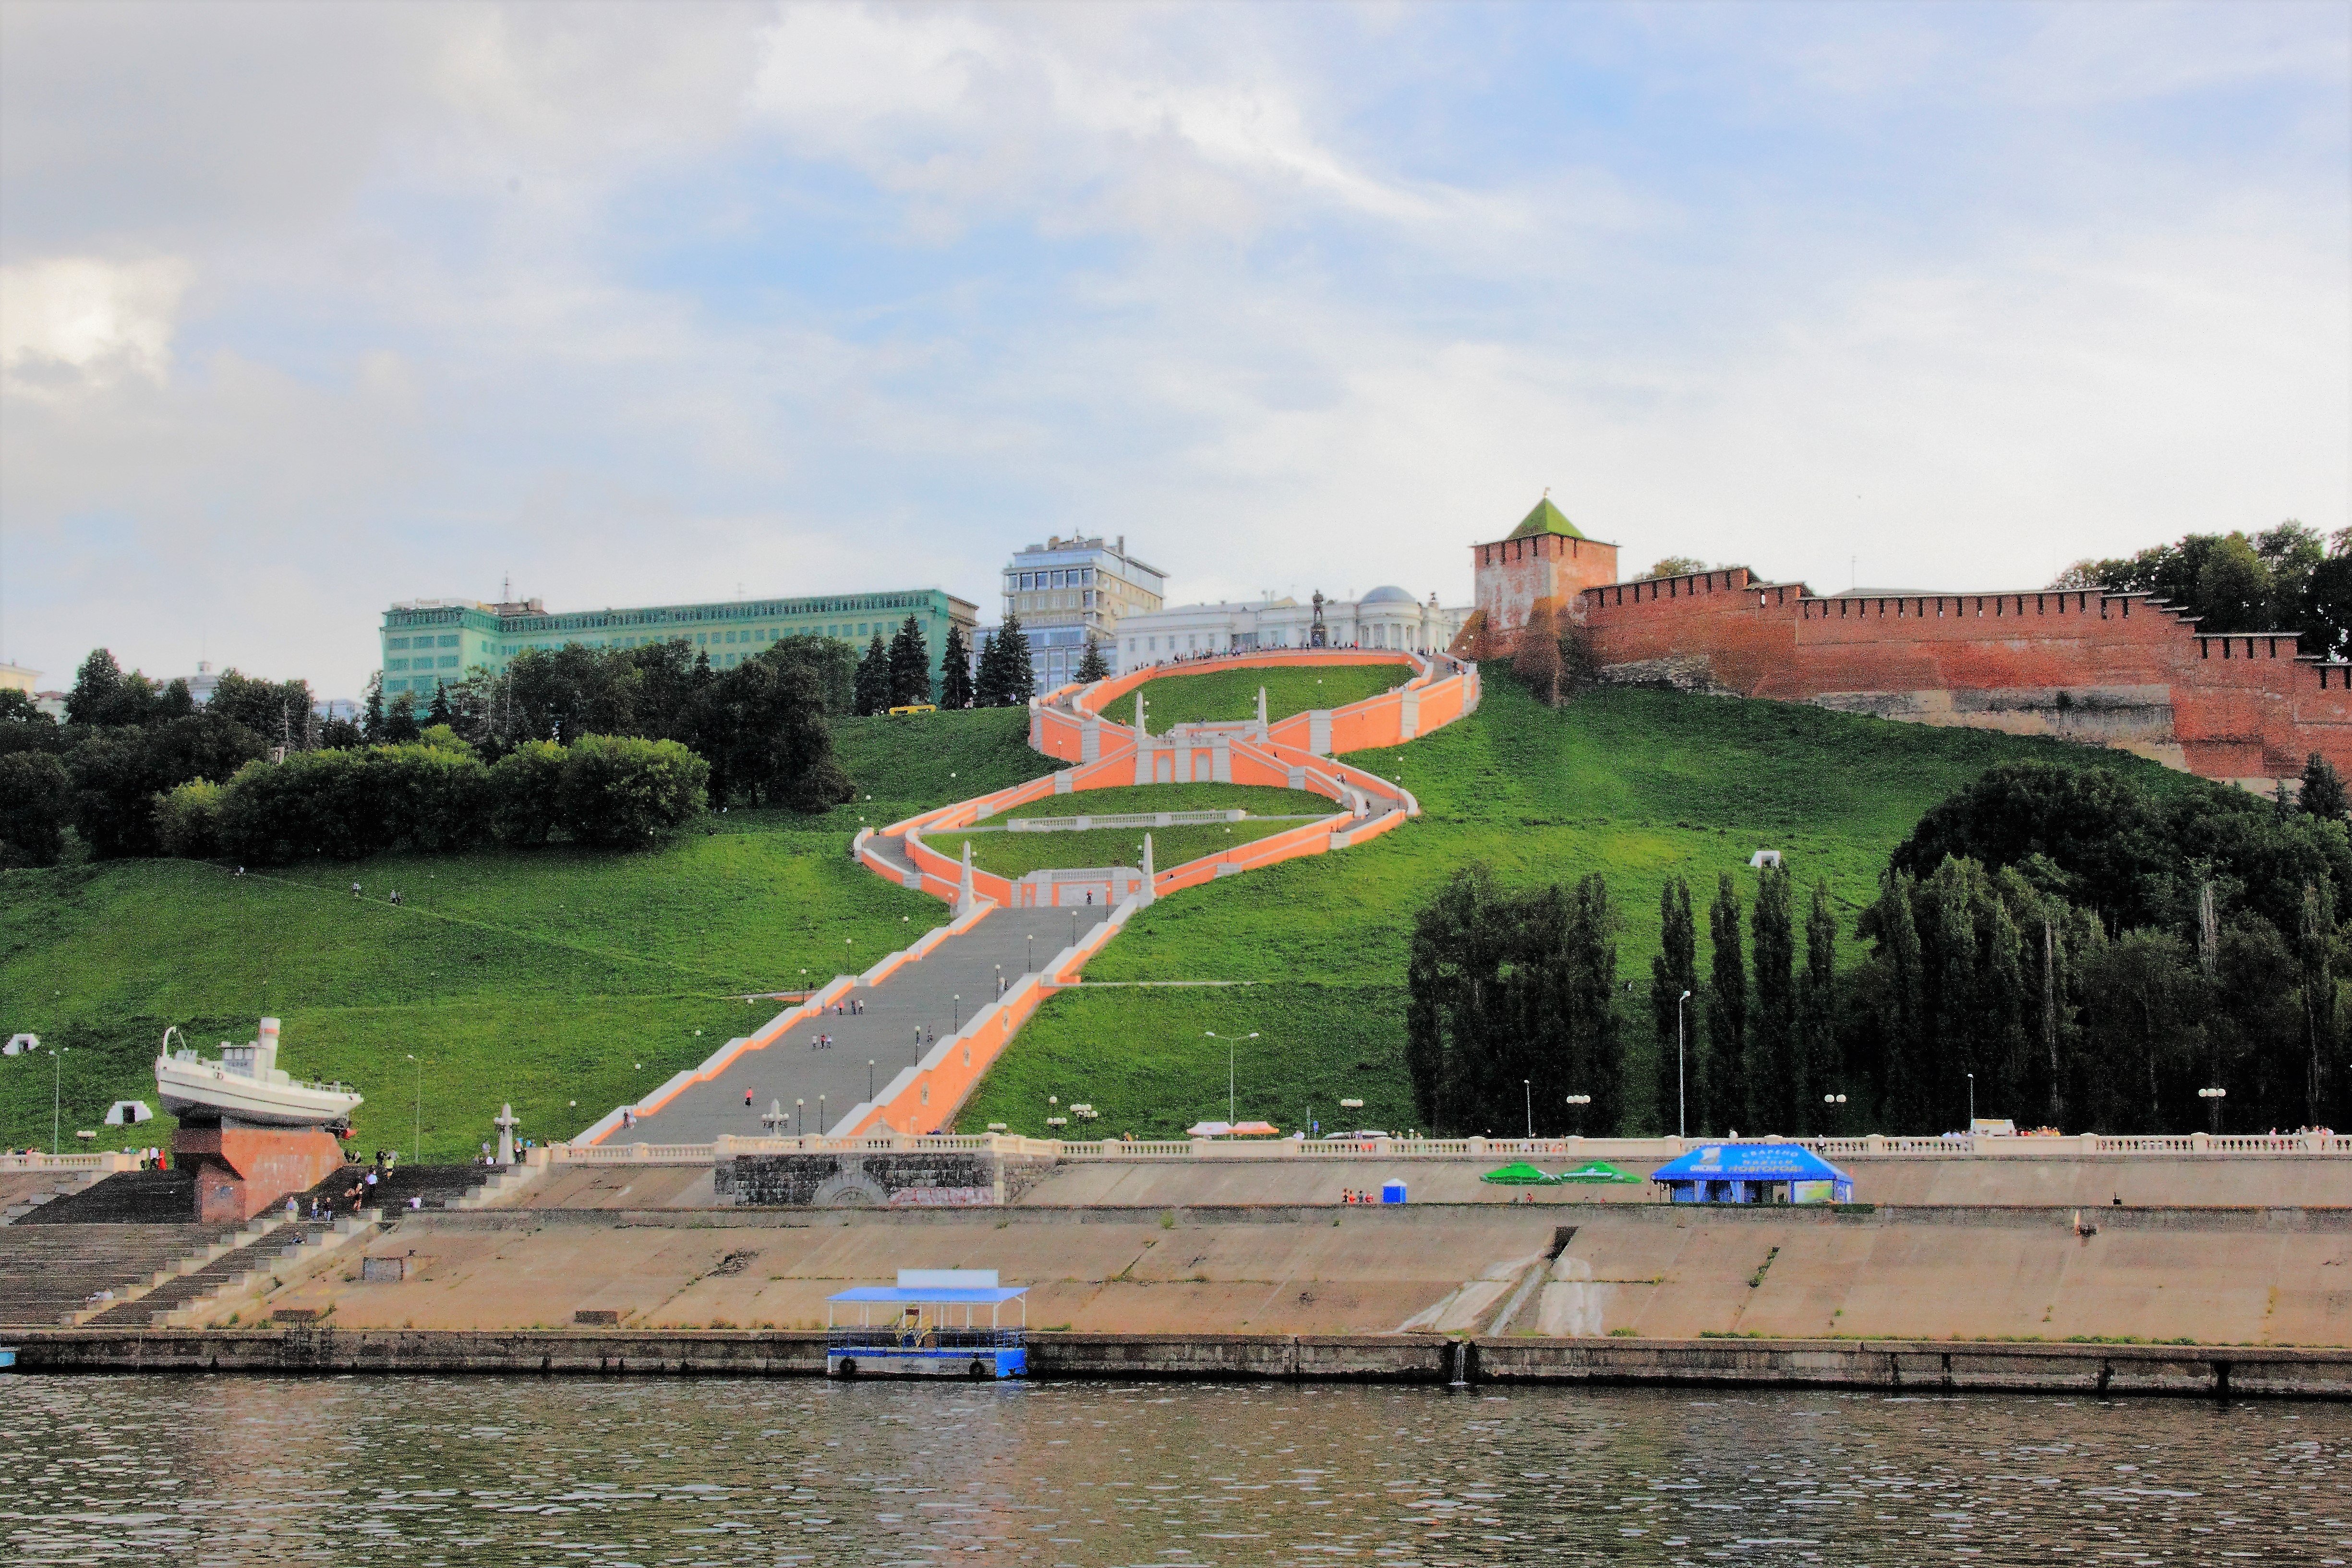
2116 669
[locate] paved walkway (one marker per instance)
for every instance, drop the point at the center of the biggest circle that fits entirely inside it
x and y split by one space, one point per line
934 995
878 1031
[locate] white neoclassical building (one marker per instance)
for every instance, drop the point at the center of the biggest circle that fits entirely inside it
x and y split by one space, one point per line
1387 617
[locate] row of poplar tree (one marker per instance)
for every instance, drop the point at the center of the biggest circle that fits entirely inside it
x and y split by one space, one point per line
2061 947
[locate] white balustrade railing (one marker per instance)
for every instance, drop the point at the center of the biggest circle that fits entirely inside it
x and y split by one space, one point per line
2189 1145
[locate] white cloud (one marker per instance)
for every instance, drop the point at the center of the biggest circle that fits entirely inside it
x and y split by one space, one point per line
77 319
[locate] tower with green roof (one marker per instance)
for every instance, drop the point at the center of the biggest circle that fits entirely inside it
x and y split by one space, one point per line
1545 557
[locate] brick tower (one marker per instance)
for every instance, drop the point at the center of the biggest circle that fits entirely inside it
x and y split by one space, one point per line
1546 557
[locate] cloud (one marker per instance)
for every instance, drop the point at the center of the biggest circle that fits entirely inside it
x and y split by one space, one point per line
76 320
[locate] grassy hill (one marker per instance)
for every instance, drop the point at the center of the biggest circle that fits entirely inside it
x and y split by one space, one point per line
546 977
1233 693
1638 785
560 975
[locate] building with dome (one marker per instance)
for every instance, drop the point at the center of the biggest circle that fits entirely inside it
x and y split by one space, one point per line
1387 617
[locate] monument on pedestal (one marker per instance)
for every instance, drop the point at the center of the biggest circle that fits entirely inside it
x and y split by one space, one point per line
506 1122
249 1129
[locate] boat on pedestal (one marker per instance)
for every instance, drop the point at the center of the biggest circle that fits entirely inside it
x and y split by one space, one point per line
251 1131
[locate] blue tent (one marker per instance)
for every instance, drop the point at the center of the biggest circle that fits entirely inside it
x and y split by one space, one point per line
1754 1173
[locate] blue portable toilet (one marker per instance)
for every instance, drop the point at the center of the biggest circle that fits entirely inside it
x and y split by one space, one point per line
1393 1192
1754 1173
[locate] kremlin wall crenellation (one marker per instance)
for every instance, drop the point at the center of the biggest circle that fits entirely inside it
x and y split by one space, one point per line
2105 668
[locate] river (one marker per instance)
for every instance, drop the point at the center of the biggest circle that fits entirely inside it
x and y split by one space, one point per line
430 1470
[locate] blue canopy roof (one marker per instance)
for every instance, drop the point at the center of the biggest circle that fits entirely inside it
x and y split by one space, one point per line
937 1295
1749 1162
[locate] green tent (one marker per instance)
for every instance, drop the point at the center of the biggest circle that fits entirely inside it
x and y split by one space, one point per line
1520 1174
1594 1171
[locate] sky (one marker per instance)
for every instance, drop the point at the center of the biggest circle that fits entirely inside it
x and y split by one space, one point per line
307 309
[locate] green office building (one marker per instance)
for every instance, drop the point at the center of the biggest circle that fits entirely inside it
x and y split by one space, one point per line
432 642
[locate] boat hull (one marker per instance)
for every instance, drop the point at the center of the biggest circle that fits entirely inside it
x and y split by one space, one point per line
202 1091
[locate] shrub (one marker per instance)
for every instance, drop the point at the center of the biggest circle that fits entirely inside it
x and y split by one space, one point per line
432 799
187 820
523 792
36 804
620 791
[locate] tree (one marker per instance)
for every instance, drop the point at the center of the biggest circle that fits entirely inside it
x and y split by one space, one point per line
2316 956
1817 1013
371 715
1537 661
1777 1080
1092 665
1726 1070
765 735
2324 615
1006 678
910 666
400 726
103 695
2323 789
119 772
1674 976
1676 566
437 711
278 712
2233 588
955 670
873 679
1510 1007
36 804
18 707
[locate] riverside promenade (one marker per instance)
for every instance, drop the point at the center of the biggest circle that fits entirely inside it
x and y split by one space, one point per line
913 1034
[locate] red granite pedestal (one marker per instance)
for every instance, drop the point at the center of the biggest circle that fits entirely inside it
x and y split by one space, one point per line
241 1171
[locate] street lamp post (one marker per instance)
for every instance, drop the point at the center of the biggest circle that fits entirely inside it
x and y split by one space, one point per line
955 1013
1528 1091
1032 959
1230 1043
419 1146
1580 1101
869 1080
1834 1100
799 1106
1972 1104
821 1117
2213 1099
1682 1114
57 1093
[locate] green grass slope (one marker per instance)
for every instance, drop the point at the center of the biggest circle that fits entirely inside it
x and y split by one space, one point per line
1225 694
545 977
1637 786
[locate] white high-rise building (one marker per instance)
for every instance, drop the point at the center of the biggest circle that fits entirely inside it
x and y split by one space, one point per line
1072 592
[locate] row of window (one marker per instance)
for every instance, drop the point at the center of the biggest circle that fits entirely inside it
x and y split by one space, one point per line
446 661
450 641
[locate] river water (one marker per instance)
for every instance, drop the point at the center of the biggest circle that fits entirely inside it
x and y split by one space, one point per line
428 1471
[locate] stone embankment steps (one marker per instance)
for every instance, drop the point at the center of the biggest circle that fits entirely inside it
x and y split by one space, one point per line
933 994
126 1197
241 1255
50 1272
22 1194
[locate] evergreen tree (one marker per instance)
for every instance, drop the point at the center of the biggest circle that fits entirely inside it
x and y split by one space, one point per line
1726 1013
2315 953
400 726
2323 789
1775 1075
1092 665
910 666
1674 975
1817 1017
1902 1104
1595 1055
103 695
1005 680
873 684
437 711
955 670
371 716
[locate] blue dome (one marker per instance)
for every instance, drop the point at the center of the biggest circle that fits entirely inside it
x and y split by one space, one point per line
1390 595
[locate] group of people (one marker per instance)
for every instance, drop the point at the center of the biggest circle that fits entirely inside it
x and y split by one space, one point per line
393 898
816 1043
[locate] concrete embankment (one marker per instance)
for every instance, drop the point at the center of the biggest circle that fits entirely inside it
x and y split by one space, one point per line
1918 1366
2265 1277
